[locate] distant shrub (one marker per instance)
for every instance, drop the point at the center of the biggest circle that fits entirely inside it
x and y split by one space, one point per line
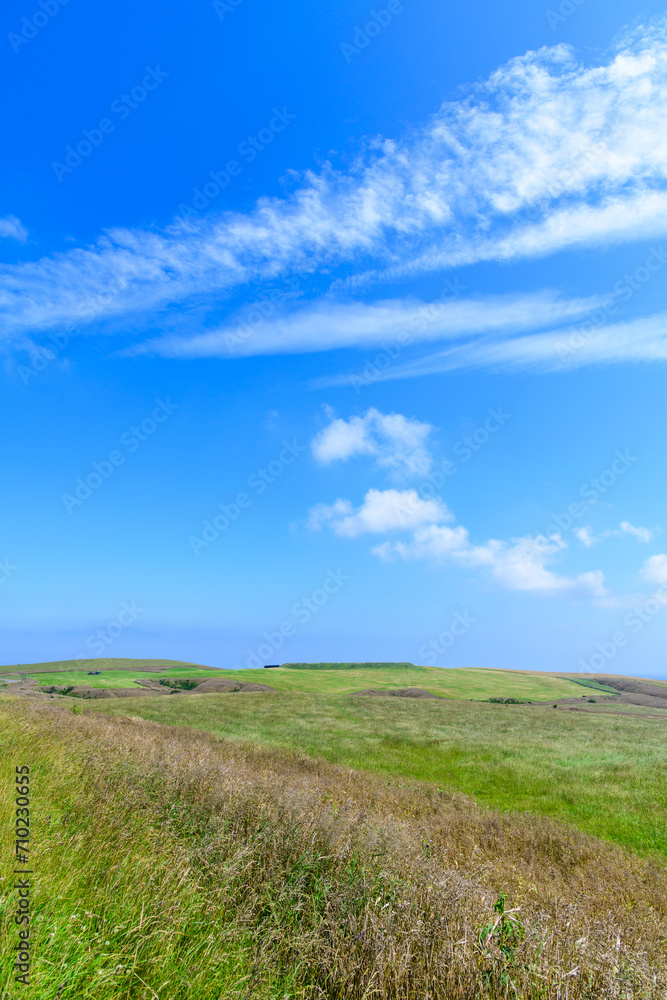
509 701
181 685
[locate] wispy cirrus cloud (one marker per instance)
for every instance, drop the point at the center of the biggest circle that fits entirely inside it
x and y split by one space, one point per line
642 339
547 154
328 325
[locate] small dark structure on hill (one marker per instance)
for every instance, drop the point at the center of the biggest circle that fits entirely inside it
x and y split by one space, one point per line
271 666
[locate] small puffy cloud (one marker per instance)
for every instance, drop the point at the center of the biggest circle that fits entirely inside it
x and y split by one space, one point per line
642 534
396 442
432 541
654 569
11 228
587 538
381 511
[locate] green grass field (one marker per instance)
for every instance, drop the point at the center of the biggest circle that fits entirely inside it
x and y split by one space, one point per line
167 863
113 678
101 663
479 684
603 773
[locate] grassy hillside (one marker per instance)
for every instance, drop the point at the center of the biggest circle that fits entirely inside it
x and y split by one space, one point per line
101 663
115 678
444 682
174 865
606 774
322 678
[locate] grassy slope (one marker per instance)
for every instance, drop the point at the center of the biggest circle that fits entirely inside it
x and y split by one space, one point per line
114 678
97 663
448 683
172 865
477 684
606 774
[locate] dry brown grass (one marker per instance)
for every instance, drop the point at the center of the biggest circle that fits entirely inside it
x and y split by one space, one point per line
351 887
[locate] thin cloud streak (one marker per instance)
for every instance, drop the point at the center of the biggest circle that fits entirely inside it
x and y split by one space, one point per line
642 340
329 325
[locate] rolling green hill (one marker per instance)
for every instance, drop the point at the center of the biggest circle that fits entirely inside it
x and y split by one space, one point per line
101 663
477 683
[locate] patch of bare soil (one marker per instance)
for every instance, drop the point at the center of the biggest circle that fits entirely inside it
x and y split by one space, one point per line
617 704
399 693
219 685
204 685
627 686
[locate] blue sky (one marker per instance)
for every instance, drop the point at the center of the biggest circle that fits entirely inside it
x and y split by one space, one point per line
335 331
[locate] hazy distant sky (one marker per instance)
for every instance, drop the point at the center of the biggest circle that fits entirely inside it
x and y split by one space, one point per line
335 331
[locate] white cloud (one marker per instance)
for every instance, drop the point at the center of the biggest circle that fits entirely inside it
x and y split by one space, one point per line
516 565
641 534
11 228
520 564
328 325
587 538
398 443
655 569
381 511
636 340
547 154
